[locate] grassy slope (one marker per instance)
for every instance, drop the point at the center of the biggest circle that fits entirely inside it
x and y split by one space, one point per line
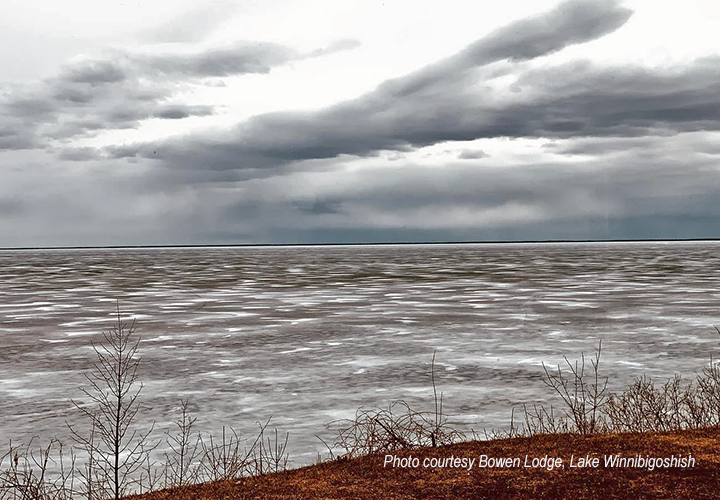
365 478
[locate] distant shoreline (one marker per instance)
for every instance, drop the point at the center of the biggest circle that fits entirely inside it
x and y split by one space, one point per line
360 244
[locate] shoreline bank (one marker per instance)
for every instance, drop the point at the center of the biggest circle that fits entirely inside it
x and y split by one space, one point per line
369 477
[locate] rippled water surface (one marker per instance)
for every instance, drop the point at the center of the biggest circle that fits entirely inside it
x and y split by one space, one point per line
309 334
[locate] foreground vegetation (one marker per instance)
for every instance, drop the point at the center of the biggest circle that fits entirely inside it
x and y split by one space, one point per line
112 457
365 478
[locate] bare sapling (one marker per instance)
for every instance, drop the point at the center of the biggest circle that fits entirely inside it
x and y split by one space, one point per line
438 416
583 400
181 462
273 456
118 449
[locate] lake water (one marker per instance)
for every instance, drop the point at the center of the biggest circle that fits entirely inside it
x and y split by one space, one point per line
309 334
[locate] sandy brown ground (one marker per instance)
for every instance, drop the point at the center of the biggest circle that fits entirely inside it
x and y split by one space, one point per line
365 478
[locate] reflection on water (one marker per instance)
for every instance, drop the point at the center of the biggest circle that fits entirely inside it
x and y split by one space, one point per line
309 334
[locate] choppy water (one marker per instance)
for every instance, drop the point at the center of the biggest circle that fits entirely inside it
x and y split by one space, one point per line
309 334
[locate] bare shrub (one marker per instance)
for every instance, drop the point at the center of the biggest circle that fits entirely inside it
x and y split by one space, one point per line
583 395
224 460
25 472
229 458
644 407
541 420
675 405
398 427
705 404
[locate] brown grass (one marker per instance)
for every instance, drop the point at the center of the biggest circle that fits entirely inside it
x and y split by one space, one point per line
365 477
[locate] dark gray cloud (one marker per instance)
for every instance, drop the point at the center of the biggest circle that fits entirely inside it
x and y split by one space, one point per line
472 154
237 59
93 73
665 189
24 106
180 111
14 137
123 89
568 24
77 154
85 98
590 198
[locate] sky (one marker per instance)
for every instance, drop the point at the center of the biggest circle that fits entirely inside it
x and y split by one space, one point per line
338 121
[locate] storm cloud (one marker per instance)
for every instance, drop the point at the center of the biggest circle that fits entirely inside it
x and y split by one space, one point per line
503 140
458 100
431 105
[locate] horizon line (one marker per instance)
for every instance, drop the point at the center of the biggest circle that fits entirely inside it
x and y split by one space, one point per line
384 243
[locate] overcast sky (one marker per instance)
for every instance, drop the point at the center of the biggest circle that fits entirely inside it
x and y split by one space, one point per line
291 121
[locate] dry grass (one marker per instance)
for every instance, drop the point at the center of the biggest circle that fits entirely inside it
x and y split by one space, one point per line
365 478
